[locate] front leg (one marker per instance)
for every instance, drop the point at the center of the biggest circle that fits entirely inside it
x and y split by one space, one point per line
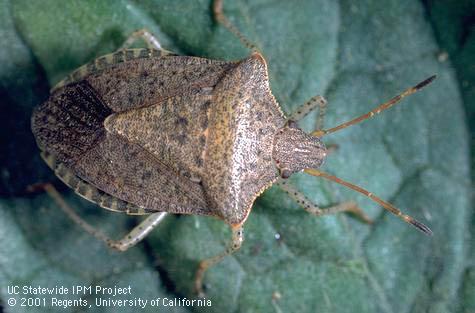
309 106
233 246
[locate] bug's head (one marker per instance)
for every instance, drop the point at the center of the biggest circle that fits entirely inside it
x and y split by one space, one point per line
295 150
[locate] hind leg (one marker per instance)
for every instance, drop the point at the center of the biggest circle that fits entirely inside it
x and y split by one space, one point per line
131 239
151 41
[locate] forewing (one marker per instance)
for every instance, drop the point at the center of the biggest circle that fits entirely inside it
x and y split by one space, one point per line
109 61
144 82
70 127
132 174
175 131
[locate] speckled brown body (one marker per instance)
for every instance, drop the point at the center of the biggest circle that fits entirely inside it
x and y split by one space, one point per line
144 131
166 133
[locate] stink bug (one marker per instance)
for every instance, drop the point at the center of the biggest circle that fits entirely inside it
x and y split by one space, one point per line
145 131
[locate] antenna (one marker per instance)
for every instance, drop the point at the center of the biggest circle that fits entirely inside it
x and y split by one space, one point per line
406 218
377 110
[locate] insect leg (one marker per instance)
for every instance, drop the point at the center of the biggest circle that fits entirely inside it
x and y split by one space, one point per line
321 114
129 240
234 245
223 20
120 55
309 106
139 232
151 41
314 209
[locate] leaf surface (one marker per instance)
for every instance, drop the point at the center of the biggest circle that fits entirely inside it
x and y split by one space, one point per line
356 54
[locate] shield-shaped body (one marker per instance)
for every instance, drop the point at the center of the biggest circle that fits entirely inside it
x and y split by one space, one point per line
141 132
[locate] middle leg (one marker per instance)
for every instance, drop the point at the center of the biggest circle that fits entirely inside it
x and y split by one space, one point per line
310 207
233 246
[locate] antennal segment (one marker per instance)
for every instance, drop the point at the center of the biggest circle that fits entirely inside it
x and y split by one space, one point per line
377 110
406 218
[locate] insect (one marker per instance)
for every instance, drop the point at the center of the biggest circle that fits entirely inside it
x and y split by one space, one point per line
145 131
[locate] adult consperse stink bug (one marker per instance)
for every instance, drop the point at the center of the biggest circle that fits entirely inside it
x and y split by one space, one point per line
144 131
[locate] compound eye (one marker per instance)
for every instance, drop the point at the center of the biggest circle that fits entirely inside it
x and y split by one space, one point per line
285 173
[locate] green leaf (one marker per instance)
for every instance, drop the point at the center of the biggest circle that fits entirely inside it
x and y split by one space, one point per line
356 54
